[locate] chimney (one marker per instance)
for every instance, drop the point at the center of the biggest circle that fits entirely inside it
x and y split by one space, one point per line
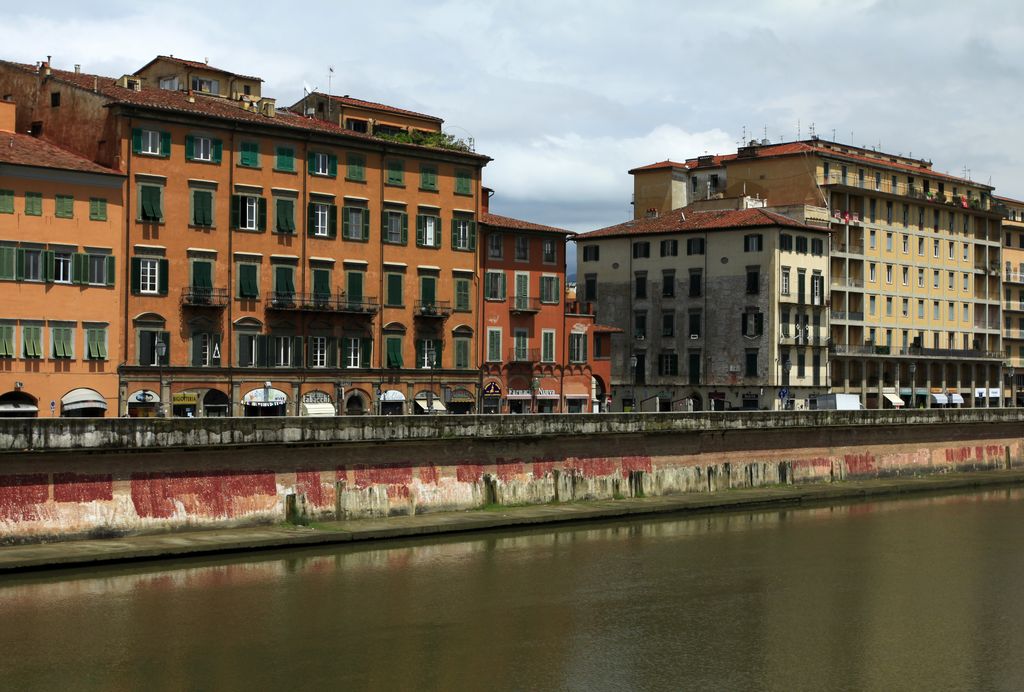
6 115
78 68
485 200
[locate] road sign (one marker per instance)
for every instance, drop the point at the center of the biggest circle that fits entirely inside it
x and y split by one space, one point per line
784 393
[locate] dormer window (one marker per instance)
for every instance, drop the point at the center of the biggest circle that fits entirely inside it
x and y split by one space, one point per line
205 86
169 83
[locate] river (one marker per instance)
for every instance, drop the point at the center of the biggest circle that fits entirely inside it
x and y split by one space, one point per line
923 593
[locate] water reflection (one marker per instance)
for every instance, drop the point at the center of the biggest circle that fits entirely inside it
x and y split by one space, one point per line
876 595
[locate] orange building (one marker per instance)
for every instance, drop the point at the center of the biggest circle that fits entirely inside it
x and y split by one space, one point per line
275 263
60 230
541 352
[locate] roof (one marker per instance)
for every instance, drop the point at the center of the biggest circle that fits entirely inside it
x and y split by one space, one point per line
208 106
689 164
360 103
518 225
1011 200
25 150
685 220
604 328
195 65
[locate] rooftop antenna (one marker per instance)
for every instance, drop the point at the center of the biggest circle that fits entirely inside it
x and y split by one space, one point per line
798 128
810 130
833 134
330 76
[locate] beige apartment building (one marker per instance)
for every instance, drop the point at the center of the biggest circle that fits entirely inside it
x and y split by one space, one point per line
722 308
915 266
1013 298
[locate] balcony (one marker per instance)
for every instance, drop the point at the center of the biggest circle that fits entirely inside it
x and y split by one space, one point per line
192 296
433 309
1013 277
849 249
523 355
846 282
902 189
363 306
875 350
521 305
320 302
579 307
840 316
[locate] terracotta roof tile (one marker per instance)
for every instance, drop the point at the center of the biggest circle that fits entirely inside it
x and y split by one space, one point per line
684 220
25 150
196 65
516 224
360 103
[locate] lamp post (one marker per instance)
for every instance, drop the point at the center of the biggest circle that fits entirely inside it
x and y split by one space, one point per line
912 369
431 357
632 394
379 405
534 387
1013 387
787 365
161 351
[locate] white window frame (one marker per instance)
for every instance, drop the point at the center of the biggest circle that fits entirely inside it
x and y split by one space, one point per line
430 231
577 340
252 339
920 278
321 163
204 347
282 351
547 244
62 267
549 279
462 234
494 344
355 223
318 351
547 345
321 219
393 233
206 86
151 142
202 149
33 265
353 352
149 275
96 265
429 354
250 220
784 282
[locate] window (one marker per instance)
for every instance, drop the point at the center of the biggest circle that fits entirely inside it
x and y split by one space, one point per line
888 242
784 281
393 351
150 206
668 364
640 285
355 352
252 350
395 173
906 243
888 307
31 342
522 245
888 273
753 242
520 346
149 275
463 182
547 346
284 284
935 248
323 164
428 177
205 349
906 276
323 220
6 201
935 279
462 351
871 240
321 284
871 305
62 342
463 234
549 289
640 325
750 362
206 86
95 343
248 281
753 323
204 149
393 295
920 309
61 267
669 248
548 251
577 348
495 249
318 351
590 287
151 142
694 246
249 213
668 324
871 272
284 160
817 289
284 215
396 227
494 345
951 283
696 283
64 206
591 253
888 212
356 164
149 351
463 293
801 244
641 249
668 283
249 154
817 247
920 278
872 210
281 351
494 285
428 291
202 208
693 325
753 280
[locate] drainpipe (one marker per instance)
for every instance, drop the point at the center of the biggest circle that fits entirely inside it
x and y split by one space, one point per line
228 349
126 270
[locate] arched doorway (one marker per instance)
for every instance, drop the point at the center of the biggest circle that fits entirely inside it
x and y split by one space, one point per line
355 405
265 401
216 404
392 403
18 404
83 403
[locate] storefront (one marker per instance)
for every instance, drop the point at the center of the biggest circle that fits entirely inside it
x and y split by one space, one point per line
145 403
429 402
519 400
984 398
216 404
392 403
317 403
547 400
18 404
492 398
265 401
185 404
461 401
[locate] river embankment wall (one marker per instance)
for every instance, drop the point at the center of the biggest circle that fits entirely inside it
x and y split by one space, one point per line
64 478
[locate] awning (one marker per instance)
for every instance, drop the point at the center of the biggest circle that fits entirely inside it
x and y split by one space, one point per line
893 399
436 405
548 395
13 407
940 399
82 398
955 398
461 396
577 396
317 409
518 395
392 395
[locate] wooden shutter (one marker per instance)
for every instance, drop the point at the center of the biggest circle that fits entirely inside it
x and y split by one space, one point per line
48 261
190 147
332 165
332 221
297 352
502 286
262 350
6 263
332 352
405 228
165 144
202 275
419 353
311 163
366 224
365 352
163 278
19 264
236 211
345 223
216 153
355 286
137 140
261 219
111 269
197 349
311 219
146 347
420 230
136 275
166 338
472 235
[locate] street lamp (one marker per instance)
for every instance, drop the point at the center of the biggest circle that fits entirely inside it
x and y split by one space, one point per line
787 365
632 367
431 362
380 406
161 351
912 369
1013 387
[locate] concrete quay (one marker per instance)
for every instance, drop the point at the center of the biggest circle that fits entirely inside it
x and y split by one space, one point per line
84 553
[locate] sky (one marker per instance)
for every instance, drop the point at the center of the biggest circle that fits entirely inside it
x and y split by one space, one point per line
566 97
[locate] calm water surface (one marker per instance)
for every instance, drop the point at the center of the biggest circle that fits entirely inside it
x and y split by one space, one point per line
913 594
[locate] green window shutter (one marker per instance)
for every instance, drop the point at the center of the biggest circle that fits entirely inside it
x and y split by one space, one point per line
190 148
345 223
428 290
321 283
202 275
310 219
332 221
19 264
502 286
332 352
97 209
236 211
6 201
6 263
262 350
455 233
311 163
6 337
48 260
33 204
101 343
284 159
405 228
366 224
162 278
92 208
420 223
420 343
437 231
354 286
136 140
394 296
111 267
365 352
165 144
202 207
79 269
332 165
472 235
285 216
261 219
248 286
357 167
216 154
461 294
197 350
297 352
150 203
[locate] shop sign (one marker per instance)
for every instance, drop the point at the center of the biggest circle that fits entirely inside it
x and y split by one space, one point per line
144 396
492 389
519 393
265 397
317 397
185 399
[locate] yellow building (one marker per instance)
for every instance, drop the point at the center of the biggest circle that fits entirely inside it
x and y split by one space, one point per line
1013 298
915 260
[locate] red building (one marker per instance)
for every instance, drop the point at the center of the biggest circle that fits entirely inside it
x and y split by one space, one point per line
541 351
